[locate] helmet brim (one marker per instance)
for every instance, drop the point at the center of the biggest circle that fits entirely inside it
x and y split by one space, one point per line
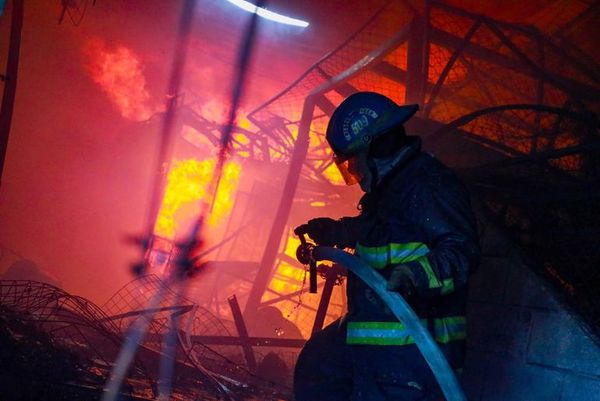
398 116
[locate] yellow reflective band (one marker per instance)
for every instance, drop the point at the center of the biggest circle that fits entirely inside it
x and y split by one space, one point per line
380 257
431 277
378 333
380 341
446 329
447 286
380 325
450 329
377 257
408 252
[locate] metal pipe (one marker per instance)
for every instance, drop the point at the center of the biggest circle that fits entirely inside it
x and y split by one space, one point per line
240 325
324 302
283 211
10 80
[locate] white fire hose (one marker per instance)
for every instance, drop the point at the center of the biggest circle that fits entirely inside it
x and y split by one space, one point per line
404 313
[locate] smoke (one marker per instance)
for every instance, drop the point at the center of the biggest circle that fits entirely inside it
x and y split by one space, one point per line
119 73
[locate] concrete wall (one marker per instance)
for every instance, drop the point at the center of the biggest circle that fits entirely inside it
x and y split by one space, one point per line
523 345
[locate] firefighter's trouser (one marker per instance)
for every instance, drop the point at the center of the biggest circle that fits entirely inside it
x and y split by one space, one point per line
328 369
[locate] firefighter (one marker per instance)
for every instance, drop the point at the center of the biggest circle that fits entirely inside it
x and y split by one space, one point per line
417 229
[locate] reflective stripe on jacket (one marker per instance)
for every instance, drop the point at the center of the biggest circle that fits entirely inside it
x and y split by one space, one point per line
418 216
394 333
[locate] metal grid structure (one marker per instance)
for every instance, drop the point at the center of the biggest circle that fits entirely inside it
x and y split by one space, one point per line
62 331
491 92
70 322
511 107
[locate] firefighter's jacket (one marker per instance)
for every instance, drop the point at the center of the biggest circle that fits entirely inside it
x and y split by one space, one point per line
419 216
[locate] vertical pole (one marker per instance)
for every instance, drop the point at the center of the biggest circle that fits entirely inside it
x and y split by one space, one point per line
540 95
10 80
283 211
416 69
242 332
324 302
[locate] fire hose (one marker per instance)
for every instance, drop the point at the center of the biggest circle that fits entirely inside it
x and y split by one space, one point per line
399 307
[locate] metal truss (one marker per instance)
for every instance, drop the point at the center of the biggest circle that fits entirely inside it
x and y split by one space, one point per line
509 94
94 335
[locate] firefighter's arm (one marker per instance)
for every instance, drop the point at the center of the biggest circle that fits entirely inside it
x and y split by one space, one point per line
442 215
325 231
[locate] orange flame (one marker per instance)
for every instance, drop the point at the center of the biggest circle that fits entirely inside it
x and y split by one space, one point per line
187 184
119 74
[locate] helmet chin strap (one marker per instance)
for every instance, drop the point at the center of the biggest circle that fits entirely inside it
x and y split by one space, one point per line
374 173
380 167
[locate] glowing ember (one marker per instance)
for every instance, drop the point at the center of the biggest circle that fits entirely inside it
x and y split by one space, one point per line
187 184
119 74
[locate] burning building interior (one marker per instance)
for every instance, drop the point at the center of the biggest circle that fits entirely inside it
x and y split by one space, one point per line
157 156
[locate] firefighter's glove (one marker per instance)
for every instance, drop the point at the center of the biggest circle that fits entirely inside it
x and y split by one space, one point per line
402 280
323 230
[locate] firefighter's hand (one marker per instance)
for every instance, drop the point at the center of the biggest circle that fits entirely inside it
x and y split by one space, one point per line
323 230
402 280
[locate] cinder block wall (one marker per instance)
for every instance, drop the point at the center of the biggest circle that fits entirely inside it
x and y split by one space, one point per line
523 345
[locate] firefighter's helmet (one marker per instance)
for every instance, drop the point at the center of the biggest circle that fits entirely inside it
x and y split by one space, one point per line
362 117
357 121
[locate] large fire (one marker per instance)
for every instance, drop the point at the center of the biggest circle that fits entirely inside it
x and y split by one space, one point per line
187 185
119 74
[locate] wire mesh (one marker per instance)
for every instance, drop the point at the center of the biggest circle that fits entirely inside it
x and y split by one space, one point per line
544 194
476 64
54 328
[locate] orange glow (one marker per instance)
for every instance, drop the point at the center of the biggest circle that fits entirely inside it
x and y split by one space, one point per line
200 141
187 183
438 58
571 162
217 111
214 110
332 173
288 279
320 153
225 193
119 74
239 141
